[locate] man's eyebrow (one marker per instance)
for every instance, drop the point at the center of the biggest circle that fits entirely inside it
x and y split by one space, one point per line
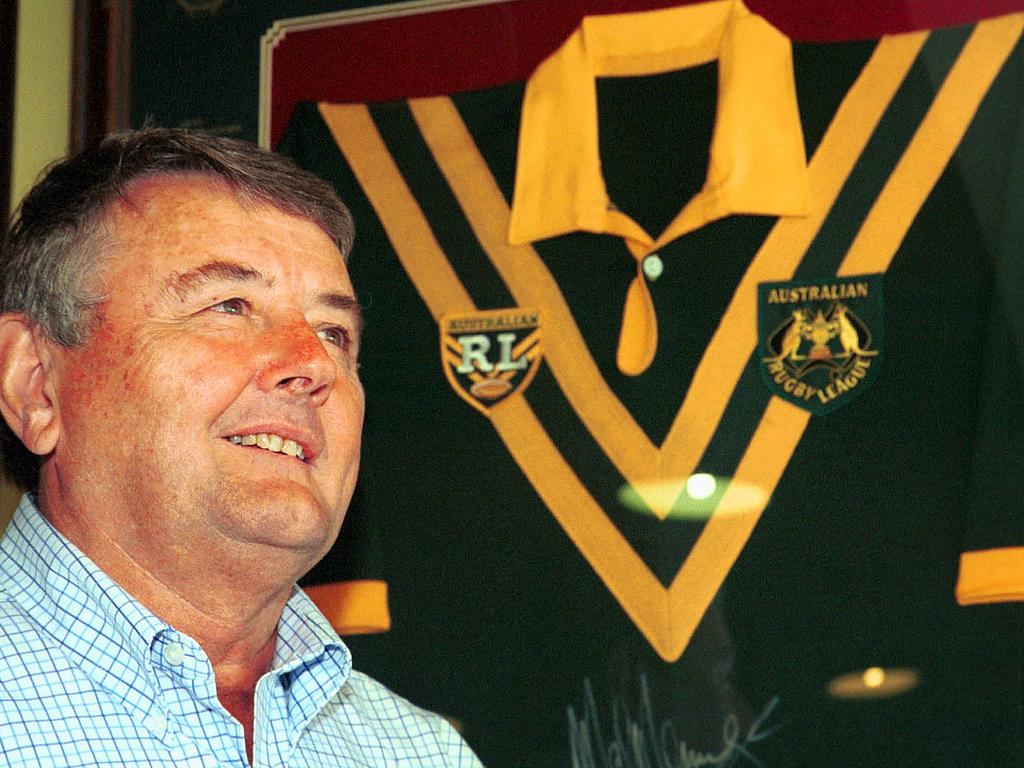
344 302
184 283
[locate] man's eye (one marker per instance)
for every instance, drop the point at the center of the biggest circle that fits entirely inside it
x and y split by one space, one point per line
232 307
337 336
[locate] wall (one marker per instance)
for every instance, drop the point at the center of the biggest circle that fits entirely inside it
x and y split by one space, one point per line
42 111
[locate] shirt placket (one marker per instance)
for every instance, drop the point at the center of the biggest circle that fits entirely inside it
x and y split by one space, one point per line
200 732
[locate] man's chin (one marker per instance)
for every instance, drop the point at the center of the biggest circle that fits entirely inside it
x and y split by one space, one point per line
280 516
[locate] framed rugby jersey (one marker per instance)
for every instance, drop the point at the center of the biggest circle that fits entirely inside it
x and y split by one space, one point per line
693 394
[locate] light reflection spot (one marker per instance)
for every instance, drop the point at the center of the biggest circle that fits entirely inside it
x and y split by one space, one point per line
874 677
701 485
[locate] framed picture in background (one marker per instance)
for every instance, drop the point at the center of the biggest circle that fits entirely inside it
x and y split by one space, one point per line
541 592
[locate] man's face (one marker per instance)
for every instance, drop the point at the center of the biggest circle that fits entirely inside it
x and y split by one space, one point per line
222 325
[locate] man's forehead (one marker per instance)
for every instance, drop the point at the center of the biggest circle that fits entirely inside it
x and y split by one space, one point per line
159 205
167 190
176 234
152 198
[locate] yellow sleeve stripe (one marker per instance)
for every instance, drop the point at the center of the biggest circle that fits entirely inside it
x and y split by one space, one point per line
991 576
353 607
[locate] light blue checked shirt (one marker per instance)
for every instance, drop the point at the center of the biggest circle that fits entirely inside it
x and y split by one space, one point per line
89 677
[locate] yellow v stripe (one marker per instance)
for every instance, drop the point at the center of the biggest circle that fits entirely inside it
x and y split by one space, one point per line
659 474
933 144
401 216
667 618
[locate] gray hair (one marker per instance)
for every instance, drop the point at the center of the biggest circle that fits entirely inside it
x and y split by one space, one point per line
54 245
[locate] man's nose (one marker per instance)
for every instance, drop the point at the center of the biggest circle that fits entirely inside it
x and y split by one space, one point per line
297 363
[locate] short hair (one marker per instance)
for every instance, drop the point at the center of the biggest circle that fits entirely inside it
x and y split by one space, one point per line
54 244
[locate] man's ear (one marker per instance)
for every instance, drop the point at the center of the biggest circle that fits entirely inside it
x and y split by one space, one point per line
25 400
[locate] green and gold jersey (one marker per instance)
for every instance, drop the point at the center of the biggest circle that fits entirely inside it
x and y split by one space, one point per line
692 368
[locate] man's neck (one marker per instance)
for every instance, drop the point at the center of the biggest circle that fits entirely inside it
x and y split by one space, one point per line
237 677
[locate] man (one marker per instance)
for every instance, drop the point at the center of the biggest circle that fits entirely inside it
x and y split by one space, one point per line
178 347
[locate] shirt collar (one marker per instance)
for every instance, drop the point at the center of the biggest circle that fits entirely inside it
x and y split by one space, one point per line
304 633
311 662
757 162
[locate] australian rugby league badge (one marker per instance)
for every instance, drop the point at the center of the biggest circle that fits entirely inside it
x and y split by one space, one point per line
489 354
820 342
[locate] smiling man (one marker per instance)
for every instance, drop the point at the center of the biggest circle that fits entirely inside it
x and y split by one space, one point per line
178 347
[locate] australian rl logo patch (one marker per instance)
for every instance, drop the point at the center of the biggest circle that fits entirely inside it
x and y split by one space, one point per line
490 354
820 341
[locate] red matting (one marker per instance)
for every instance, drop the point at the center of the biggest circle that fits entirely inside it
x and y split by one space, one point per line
475 47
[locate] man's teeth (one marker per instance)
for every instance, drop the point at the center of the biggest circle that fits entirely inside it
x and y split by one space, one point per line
270 442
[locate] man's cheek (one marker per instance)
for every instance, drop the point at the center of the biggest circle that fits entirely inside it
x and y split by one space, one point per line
85 386
207 382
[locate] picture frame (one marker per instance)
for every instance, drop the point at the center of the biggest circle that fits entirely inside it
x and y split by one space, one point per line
101 70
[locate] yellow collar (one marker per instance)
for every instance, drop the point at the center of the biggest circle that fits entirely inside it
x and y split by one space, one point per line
757 161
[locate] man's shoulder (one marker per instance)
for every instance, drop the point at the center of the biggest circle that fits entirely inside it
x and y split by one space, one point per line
18 629
37 683
381 720
26 650
377 703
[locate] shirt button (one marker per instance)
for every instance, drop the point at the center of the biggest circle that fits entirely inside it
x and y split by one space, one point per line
156 724
174 654
653 266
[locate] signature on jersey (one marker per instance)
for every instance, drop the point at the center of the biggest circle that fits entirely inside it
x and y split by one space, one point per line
636 740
